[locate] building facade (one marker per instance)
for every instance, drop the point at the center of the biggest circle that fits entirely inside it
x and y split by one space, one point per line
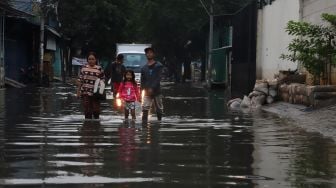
20 34
272 39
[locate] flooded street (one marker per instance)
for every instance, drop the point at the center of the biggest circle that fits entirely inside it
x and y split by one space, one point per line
45 143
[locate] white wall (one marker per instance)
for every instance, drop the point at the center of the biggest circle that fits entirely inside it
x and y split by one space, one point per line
312 9
272 40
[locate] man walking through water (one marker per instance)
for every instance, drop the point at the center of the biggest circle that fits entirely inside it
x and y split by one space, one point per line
150 84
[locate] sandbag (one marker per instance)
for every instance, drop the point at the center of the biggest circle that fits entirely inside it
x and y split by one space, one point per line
261 87
285 97
297 99
258 101
273 92
255 93
300 89
235 105
236 101
269 99
290 99
273 84
246 102
283 88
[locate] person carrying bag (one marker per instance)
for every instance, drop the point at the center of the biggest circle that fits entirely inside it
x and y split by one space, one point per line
89 74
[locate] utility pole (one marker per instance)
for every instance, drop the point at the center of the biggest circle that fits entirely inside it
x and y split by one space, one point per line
2 50
211 23
45 7
41 43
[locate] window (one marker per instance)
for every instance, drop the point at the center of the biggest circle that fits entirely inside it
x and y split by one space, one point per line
134 60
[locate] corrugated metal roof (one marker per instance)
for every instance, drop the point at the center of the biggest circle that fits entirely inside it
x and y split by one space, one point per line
7 9
25 6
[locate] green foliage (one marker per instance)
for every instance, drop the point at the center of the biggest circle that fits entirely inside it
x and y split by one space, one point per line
313 45
96 24
329 18
168 25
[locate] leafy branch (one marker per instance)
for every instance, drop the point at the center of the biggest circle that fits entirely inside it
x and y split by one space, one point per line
313 46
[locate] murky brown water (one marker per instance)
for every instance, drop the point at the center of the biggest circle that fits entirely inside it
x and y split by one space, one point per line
45 143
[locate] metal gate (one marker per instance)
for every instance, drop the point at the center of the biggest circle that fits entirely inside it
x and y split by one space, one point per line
243 65
222 41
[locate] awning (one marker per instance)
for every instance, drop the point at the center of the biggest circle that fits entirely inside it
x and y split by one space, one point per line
53 31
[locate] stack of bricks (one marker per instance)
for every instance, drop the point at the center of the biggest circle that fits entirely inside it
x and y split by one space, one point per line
316 96
294 93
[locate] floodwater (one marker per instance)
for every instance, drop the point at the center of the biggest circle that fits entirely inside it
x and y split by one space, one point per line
45 143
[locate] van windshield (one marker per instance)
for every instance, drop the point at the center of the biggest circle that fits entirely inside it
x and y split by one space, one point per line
134 60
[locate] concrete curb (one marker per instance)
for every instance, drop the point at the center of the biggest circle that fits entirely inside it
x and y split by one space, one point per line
321 120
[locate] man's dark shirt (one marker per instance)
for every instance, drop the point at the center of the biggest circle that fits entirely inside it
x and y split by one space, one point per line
151 77
115 71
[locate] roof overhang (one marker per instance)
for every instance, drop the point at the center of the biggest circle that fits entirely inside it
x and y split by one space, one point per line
53 31
225 7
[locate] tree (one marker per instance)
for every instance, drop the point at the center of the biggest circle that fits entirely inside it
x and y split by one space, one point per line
95 25
313 46
169 25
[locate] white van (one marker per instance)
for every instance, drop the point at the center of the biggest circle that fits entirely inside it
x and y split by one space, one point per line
134 57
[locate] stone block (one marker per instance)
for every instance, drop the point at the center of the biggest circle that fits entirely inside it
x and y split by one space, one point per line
324 95
323 103
324 88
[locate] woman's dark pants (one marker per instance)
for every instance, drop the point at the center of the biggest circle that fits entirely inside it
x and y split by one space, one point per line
91 107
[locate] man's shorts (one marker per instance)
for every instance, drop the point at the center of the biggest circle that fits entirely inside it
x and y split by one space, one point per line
147 103
130 105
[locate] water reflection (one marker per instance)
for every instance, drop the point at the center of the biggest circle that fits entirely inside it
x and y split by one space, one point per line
183 102
44 142
150 149
314 164
291 156
128 147
91 133
216 104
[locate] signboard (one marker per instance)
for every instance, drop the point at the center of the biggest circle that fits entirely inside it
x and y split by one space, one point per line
51 43
79 61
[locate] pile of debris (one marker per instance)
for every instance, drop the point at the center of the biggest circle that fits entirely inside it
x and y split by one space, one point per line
264 92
